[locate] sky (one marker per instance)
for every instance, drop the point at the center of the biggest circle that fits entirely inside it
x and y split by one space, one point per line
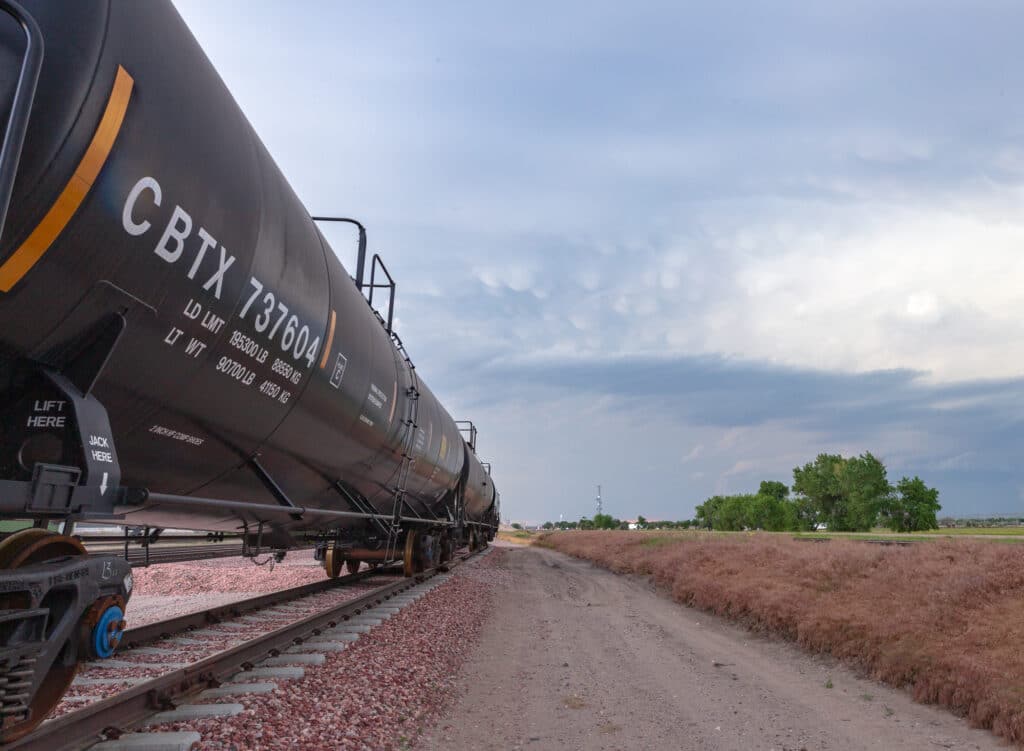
673 248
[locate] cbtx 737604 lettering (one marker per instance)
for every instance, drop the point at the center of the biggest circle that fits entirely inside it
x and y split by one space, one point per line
180 347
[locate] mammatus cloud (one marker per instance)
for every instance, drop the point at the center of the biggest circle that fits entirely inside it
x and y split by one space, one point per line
679 248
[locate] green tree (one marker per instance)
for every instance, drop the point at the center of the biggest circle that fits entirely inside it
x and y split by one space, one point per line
516 525
774 513
773 489
913 508
605 521
804 514
845 494
819 482
548 525
867 490
708 512
641 523
734 513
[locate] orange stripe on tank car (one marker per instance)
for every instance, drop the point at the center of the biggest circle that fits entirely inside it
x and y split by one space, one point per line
67 203
330 340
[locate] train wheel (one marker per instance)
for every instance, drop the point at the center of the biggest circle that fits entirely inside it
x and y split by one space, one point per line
25 548
411 557
333 561
352 566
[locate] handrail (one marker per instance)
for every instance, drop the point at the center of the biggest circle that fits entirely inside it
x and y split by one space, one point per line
377 261
359 278
361 258
21 108
467 426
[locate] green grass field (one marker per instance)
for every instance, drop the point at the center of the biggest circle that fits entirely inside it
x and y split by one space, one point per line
879 534
1002 531
996 534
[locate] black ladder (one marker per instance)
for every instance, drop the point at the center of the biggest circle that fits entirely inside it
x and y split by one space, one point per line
412 392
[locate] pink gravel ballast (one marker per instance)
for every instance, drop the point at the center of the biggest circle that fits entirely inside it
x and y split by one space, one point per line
227 575
382 692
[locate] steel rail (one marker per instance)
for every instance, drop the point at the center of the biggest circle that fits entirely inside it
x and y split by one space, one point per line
113 715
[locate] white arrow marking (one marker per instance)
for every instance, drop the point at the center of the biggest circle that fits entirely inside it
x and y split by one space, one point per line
103 484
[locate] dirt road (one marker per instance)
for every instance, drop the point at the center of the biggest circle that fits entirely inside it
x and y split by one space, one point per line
577 658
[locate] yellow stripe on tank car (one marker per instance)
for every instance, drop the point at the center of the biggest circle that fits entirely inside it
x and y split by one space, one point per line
329 342
67 203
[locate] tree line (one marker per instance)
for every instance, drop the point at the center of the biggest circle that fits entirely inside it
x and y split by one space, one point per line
842 494
607 521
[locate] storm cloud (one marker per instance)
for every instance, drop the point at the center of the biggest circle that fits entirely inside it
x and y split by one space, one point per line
675 248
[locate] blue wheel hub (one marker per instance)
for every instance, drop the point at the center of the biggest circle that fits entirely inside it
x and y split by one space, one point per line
108 632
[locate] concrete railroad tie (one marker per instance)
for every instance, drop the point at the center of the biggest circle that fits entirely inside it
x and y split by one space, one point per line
260 619
237 689
119 664
83 681
187 641
318 647
363 620
259 674
195 712
151 742
293 659
332 636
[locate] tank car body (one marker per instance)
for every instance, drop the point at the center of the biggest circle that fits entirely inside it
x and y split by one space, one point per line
179 346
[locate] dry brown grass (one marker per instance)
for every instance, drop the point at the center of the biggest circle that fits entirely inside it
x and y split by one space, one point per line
945 619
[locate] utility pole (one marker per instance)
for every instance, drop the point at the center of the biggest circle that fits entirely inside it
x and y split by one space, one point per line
599 499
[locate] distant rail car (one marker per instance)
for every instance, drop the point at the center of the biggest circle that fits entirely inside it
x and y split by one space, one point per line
180 347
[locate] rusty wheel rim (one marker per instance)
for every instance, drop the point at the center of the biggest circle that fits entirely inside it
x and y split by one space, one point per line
409 560
333 562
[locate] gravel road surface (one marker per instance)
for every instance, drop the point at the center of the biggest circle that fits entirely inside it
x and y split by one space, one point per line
574 657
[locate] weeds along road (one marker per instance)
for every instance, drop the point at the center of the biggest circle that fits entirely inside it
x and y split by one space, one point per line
575 657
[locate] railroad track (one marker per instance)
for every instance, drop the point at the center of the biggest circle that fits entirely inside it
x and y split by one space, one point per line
330 629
